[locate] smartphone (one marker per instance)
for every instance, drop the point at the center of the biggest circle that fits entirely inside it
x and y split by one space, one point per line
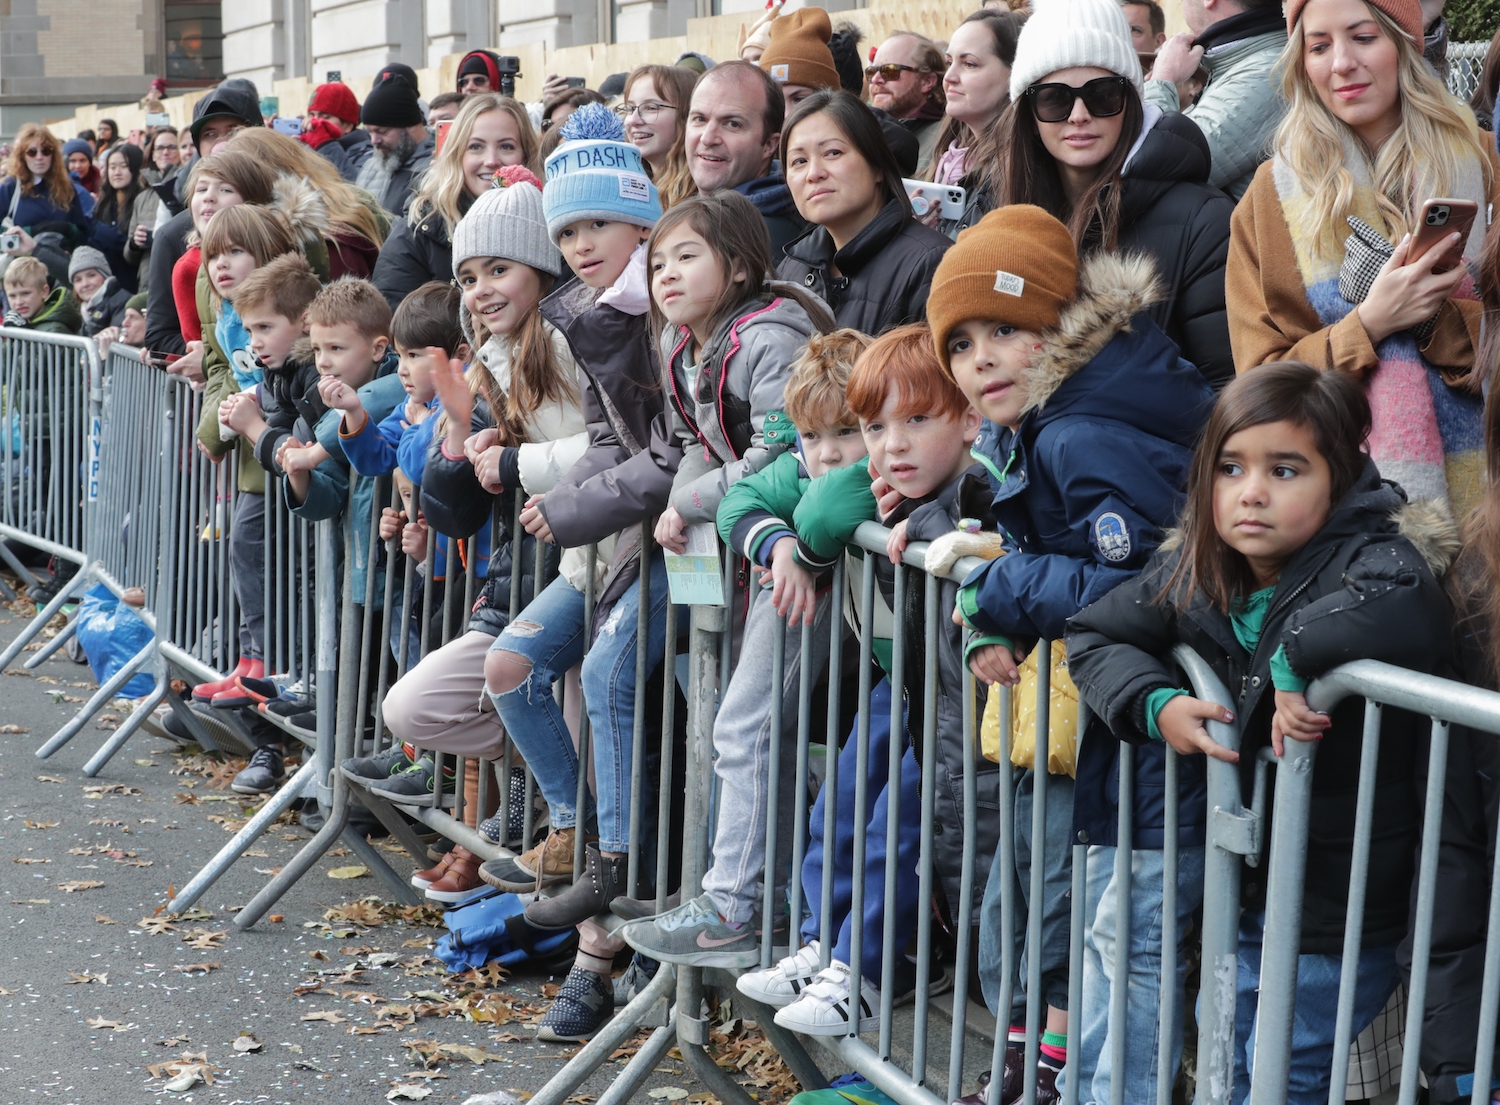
924 196
158 119
292 127
442 135
1438 219
576 82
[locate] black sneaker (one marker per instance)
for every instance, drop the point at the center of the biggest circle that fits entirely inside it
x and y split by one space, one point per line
265 772
581 1008
641 971
304 724
380 766
417 781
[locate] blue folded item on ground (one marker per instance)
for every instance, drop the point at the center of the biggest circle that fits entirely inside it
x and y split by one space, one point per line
110 633
495 930
850 1088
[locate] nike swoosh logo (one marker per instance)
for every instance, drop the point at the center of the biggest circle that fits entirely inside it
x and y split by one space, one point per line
707 941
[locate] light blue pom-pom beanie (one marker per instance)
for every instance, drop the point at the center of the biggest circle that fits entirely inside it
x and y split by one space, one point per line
596 174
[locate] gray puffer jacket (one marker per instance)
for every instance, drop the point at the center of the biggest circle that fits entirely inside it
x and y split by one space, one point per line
1239 108
721 410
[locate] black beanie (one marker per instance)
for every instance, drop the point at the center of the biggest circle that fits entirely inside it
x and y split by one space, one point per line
481 63
398 69
392 103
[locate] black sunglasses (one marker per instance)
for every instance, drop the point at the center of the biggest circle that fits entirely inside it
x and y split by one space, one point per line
1053 102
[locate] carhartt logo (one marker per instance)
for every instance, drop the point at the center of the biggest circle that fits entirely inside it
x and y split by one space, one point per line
1009 283
782 73
707 941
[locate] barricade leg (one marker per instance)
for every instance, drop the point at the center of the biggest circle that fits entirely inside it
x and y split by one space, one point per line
66 594
128 727
294 788
100 699
52 647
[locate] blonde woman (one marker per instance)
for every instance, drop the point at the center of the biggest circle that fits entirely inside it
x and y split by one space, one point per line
1370 133
655 111
357 225
491 131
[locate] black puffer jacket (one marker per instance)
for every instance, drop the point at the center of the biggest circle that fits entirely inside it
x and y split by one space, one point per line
163 328
289 395
886 269
1360 589
626 473
413 255
457 506
1168 211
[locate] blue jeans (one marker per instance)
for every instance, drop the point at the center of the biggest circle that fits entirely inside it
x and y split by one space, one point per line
551 634
1055 908
876 809
1317 1009
1143 1002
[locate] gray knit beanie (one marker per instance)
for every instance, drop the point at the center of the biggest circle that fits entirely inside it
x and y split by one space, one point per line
507 221
1064 34
85 258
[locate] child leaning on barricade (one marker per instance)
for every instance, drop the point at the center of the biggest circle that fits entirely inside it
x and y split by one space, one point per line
33 304
234 246
918 428
755 520
1295 558
1090 420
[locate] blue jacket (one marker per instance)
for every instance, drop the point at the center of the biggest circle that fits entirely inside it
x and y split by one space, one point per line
328 484
1087 486
35 211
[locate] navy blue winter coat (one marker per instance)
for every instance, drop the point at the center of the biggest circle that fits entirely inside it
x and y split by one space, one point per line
1087 487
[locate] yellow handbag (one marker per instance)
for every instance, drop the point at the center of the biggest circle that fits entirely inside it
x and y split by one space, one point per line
1062 722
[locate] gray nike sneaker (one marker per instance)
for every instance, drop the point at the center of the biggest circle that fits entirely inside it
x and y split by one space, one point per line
694 935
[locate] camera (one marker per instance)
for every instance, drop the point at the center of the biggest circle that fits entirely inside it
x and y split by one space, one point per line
1437 215
9 242
510 68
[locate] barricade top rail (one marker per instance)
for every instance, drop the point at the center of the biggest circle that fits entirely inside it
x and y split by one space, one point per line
871 536
1444 699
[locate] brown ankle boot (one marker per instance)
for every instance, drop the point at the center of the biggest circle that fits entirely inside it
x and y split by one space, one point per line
423 879
461 881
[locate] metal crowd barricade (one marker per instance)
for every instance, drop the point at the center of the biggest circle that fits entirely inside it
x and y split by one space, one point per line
50 390
1465 65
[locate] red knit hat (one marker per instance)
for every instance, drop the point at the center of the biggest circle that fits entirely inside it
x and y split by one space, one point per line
336 99
1406 13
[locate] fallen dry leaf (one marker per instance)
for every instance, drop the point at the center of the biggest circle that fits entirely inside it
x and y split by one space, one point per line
40 824
76 977
190 968
246 1042
14 729
49 779
113 1026
155 926
408 1092
101 919
74 886
203 940
29 860
355 872
326 1015
100 790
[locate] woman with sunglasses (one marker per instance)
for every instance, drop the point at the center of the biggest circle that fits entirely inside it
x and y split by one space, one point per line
866 255
1120 174
491 131
1371 134
38 194
655 111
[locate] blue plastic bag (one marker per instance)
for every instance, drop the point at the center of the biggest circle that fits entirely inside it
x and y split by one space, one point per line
495 930
110 633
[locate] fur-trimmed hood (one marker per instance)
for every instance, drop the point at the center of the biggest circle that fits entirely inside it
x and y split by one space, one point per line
1107 358
297 201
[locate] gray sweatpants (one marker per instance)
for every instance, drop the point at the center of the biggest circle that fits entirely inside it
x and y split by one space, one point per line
742 749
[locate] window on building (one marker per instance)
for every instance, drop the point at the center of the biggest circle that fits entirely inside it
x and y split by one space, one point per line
195 40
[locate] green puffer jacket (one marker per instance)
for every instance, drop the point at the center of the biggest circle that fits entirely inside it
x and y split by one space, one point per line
1239 108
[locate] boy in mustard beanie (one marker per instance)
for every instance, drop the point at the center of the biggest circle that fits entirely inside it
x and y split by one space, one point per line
1090 421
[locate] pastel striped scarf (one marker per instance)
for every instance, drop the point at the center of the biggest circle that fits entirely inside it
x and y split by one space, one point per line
1426 436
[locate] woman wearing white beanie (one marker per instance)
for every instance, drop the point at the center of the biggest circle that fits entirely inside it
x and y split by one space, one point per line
1119 173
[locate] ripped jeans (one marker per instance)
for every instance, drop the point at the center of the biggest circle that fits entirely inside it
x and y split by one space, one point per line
551 634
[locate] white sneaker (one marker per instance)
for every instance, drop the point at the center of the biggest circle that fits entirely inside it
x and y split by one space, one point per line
824 1009
784 983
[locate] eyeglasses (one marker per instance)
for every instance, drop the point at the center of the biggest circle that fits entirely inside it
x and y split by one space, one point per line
1053 102
647 111
39 152
890 71
473 80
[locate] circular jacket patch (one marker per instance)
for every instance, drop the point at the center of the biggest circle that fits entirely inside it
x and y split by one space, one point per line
1112 537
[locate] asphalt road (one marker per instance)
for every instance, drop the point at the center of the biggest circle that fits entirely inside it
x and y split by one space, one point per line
91 997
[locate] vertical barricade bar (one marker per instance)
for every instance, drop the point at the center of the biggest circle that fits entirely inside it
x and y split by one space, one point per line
1036 1013
1283 928
861 795
1168 1026
773 787
1119 993
895 751
638 718
831 775
1221 895
799 782
971 831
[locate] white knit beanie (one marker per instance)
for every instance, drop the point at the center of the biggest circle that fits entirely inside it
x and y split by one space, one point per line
1067 34
507 222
